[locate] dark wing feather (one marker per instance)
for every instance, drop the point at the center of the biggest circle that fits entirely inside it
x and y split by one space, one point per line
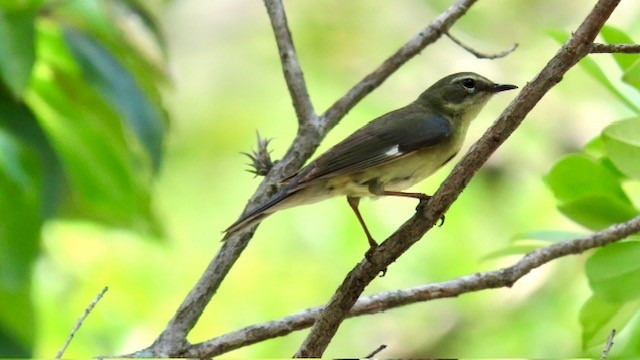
384 139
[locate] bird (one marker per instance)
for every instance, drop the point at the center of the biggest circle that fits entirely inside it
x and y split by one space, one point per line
389 154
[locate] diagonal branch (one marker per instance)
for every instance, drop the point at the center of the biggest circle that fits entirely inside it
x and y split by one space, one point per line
374 304
172 340
577 47
290 64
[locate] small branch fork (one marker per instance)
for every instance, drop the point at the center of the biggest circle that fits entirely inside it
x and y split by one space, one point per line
377 303
577 47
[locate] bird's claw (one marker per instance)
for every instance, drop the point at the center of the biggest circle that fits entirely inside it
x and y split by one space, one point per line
368 255
424 201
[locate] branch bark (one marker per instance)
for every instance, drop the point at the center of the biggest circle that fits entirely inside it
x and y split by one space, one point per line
374 304
311 131
290 64
615 48
578 46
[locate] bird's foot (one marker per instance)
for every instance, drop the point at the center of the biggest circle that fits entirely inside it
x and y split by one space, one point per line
424 202
370 251
368 255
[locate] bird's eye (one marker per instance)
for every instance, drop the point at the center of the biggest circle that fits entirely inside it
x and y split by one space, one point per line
469 84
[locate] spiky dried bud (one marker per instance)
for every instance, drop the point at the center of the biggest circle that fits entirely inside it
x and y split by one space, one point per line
260 158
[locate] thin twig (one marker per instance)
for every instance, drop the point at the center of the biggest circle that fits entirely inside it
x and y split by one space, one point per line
172 340
609 344
290 64
76 327
597 48
355 282
383 301
376 351
427 36
478 54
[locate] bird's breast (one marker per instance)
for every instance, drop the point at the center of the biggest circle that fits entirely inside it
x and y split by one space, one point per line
399 174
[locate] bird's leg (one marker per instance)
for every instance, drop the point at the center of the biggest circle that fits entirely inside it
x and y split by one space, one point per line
377 188
354 202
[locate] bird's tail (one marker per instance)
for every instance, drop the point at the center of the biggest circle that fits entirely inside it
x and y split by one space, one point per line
258 214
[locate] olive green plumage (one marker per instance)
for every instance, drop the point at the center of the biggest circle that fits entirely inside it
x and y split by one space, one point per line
389 154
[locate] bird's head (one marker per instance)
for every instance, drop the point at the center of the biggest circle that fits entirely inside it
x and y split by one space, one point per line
461 95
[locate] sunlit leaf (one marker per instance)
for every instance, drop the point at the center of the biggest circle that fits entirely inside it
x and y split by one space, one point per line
597 212
632 75
598 316
614 271
622 143
594 148
576 176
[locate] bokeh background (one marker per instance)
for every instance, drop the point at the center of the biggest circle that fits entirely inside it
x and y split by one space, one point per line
227 83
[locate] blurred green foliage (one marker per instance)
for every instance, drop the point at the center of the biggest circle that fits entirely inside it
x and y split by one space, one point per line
83 135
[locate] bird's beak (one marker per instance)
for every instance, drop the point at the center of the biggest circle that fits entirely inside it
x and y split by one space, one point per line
495 88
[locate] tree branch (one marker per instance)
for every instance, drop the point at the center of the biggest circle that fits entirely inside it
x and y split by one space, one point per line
173 338
290 64
377 303
597 48
354 284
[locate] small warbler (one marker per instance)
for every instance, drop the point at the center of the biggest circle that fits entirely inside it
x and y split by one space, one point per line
389 154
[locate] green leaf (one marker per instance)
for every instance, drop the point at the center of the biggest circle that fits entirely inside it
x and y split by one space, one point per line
598 316
107 180
17 49
576 176
19 121
148 19
614 35
628 345
120 89
20 223
622 143
632 75
614 271
592 68
548 235
594 148
597 212
17 322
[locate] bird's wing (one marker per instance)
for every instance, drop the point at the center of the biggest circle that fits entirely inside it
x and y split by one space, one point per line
384 139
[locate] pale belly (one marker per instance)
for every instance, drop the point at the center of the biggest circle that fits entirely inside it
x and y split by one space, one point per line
397 175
